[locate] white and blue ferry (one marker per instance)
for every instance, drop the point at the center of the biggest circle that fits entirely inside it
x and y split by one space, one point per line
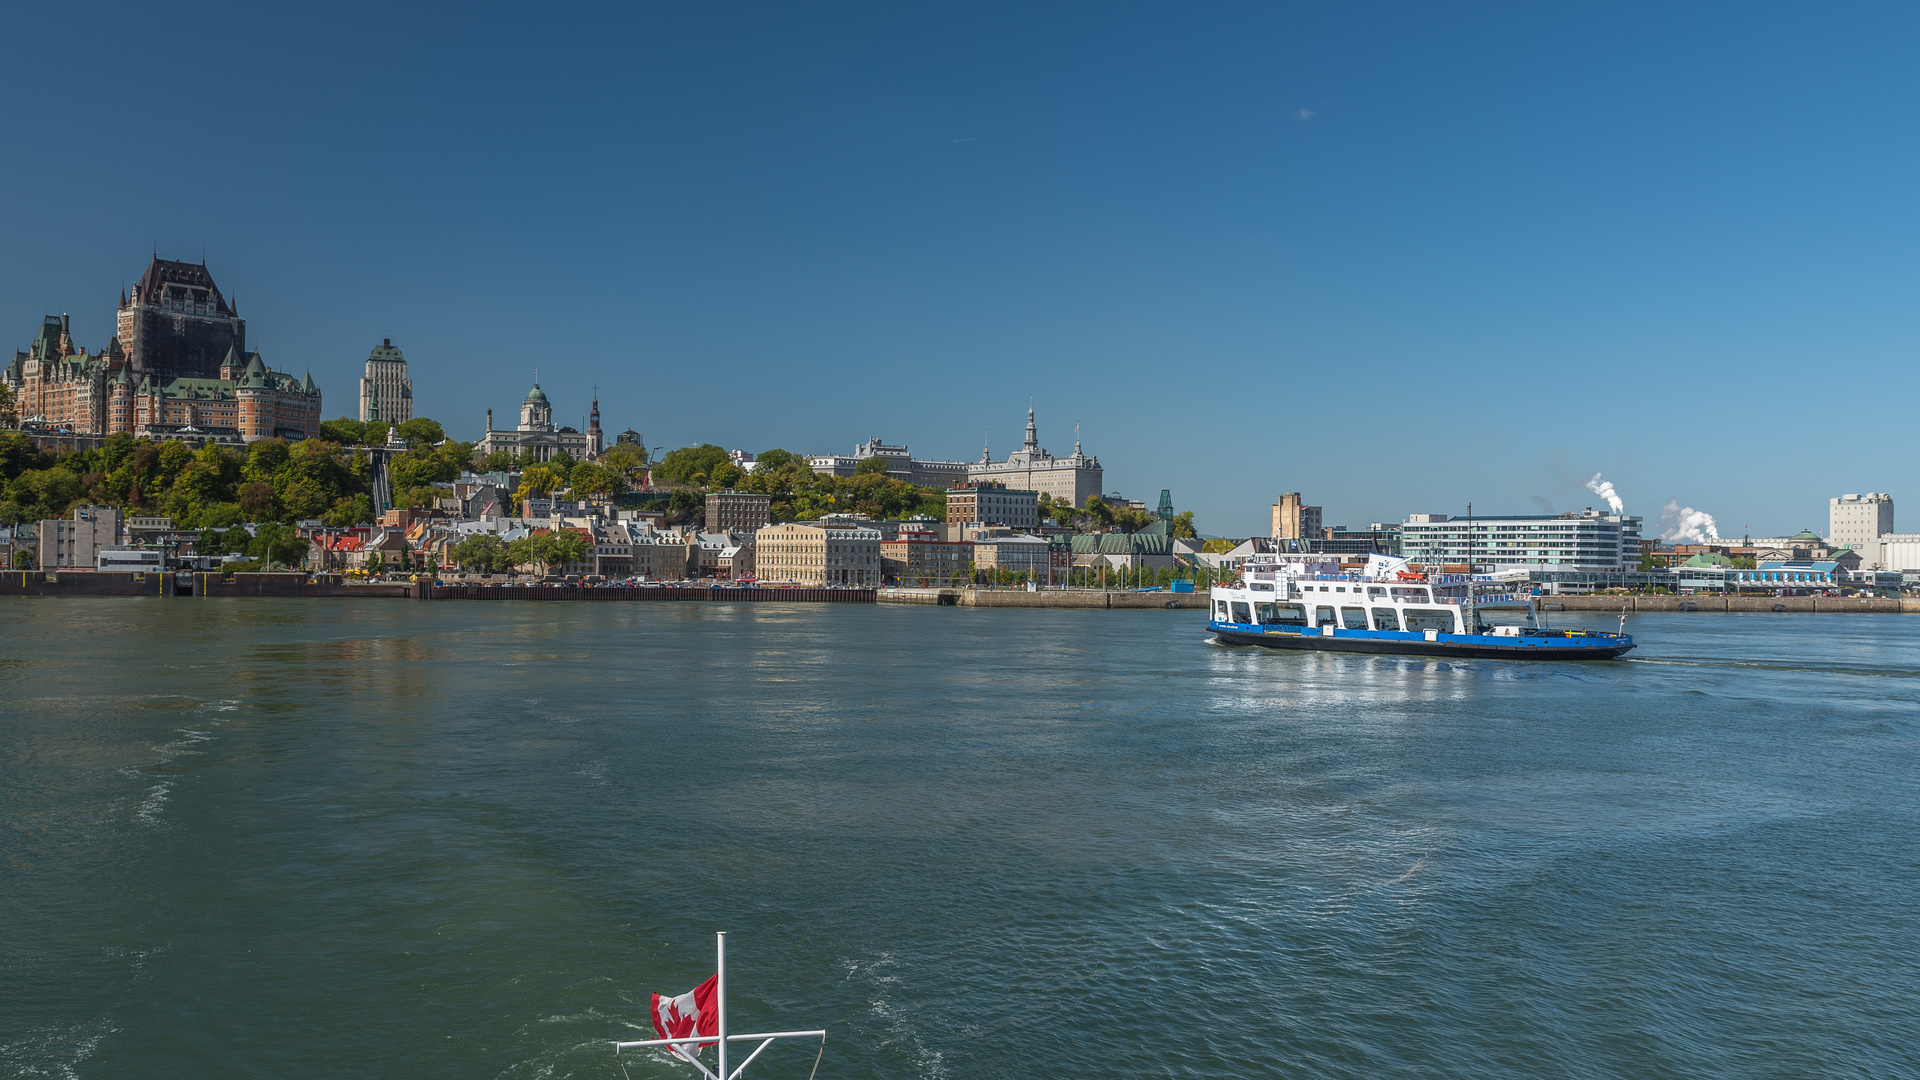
1303 602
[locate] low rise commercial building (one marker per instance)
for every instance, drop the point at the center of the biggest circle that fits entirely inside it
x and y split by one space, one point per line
813 555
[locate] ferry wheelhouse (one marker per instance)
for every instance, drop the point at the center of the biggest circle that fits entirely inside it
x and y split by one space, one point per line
1306 602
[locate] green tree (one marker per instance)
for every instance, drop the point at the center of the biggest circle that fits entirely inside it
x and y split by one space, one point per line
266 460
538 482
690 465
421 431
18 454
588 479
1183 525
482 552
871 466
257 501
349 510
346 431
625 459
376 563
277 544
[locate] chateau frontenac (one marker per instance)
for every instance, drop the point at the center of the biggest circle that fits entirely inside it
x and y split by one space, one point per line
177 367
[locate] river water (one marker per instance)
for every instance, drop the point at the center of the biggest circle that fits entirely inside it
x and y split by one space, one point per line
319 839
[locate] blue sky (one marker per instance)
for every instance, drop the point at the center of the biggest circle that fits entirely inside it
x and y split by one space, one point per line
1397 258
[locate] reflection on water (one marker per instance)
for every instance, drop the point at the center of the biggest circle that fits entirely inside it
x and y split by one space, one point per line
261 837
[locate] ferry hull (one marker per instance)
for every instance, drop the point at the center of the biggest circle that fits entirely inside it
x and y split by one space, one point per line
1469 646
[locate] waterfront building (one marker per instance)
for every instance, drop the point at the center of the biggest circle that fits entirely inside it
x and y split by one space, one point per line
386 394
738 511
77 541
991 502
537 434
1292 520
916 556
815 555
178 368
1072 480
1576 541
1001 550
901 465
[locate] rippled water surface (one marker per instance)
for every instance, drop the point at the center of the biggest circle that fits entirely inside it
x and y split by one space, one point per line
389 838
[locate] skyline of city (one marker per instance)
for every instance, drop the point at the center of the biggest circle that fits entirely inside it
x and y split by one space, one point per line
1549 243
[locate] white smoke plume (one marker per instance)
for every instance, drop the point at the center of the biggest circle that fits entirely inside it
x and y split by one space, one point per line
1604 489
1687 524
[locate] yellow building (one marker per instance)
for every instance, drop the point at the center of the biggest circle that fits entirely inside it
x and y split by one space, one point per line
811 555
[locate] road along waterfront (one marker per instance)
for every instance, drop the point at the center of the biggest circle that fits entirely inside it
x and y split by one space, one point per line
264 836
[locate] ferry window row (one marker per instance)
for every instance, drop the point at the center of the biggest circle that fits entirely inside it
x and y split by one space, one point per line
1401 594
1350 618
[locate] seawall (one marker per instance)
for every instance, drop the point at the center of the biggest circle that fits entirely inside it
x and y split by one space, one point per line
1828 605
1045 598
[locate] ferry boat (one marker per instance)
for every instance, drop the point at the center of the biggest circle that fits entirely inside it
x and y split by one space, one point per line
1312 602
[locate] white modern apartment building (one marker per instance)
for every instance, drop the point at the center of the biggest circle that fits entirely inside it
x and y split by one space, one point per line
1586 540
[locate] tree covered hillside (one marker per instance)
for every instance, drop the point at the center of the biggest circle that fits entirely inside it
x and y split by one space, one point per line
218 487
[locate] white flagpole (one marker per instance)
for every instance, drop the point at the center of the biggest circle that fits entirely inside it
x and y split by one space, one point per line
721 990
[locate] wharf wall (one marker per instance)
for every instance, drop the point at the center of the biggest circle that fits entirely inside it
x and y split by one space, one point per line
1828 605
536 592
1105 599
170 583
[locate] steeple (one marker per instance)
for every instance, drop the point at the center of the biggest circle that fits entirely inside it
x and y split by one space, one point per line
1033 435
1076 440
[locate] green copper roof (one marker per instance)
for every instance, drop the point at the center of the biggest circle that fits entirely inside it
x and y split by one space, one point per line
535 394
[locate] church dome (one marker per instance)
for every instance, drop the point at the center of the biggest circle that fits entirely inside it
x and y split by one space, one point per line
536 394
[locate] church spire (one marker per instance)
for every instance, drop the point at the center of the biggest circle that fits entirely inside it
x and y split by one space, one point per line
1033 435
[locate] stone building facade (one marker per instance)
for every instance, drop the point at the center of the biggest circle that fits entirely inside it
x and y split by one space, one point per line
158 377
1073 479
991 502
386 393
813 555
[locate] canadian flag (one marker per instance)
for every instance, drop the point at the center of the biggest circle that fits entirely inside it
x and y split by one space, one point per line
692 1013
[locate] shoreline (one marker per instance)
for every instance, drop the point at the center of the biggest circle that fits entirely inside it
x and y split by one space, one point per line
334 586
